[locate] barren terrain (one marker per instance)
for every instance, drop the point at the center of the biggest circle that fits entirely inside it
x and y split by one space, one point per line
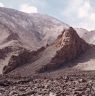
42 56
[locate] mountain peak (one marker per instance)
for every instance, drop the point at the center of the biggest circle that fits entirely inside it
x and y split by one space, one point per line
36 42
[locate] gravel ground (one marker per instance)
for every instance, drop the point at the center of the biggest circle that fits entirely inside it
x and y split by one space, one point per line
79 84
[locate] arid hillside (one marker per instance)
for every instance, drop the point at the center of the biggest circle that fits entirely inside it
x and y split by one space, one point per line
42 56
36 43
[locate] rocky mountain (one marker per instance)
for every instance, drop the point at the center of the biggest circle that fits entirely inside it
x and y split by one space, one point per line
20 31
35 43
42 56
37 28
66 47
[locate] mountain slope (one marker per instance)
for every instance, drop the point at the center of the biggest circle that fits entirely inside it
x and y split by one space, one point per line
88 36
35 43
20 31
87 60
66 47
37 28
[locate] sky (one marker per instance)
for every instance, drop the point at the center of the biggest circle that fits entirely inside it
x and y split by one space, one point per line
77 13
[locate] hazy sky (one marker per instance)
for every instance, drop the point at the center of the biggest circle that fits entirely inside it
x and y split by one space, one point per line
77 13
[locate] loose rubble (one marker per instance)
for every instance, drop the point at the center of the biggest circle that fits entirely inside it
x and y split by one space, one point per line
68 85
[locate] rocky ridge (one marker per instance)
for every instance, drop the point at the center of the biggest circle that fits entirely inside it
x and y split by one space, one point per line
66 47
38 43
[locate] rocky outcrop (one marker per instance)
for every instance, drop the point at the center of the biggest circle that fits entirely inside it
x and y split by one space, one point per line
66 47
20 58
35 43
4 52
69 46
23 57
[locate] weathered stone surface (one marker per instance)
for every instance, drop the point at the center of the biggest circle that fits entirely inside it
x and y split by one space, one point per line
66 47
69 46
36 43
23 57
